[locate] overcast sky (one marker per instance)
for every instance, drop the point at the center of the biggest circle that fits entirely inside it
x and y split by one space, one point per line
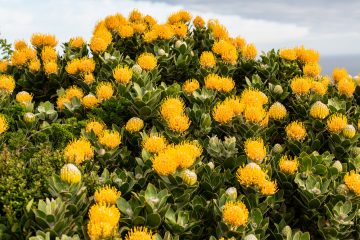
332 27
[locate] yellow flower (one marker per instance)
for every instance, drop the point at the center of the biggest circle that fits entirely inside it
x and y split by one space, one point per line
34 65
255 149
300 86
190 86
78 151
48 54
122 74
223 113
186 153
277 111
296 131
86 65
147 61
150 36
339 73
352 181
3 65
268 188
164 31
20 44
336 123
89 78
70 173
74 91
180 29
179 123
134 124
50 67
150 20
98 45
113 21
154 143
288 54
255 114
346 86
226 50
24 97
61 102
207 59
307 55
139 27
135 16
189 177
104 91
72 67
249 52
288 166
312 69
3 124
199 22
139 233
250 175
172 106
349 131
319 87
40 40
221 84
76 42
164 163
7 83
19 58
239 42
103 221
90 101
319 110
95 126
253 97
235 214
110 139
236 104
218 30
107 195
125 31
179 16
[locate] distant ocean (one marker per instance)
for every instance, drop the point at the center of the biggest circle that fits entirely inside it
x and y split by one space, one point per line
350 62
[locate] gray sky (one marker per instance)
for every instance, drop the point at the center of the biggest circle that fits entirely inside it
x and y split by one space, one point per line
332 27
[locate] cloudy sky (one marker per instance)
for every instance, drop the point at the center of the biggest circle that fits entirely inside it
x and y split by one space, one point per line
332 27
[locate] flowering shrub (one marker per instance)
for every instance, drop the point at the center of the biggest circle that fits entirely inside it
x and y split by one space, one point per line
175 130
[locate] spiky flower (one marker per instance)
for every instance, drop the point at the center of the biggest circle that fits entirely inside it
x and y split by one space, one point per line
154 143
339 73
24 97
189 177
207 59
164 164
90 101
349 131
300 85
235 214
288 166
253 97
139 233
226 50
336 123
107 195
250 175
288 54
172 106
40 40
76 42
3 124
110 139
319 88
307 55
48 54
95 126
104 91
147 61
122 74
249 52
179 123
319 110
134 124
312 69
3 65
254 114
199 22
78 151
70 173
277 111
7 83
268 188
255 149
50 67
352 181
103 221
190 86
296 131
223 113
34 65
346 86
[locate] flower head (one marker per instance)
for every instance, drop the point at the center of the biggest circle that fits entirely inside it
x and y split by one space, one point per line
352 181
336 123
125 31
179 123
95 126
70 173
288 54
349 131
172 106
223 113
104 91
301 86
255 149
134 124
319 110
74 91
312 69
24 97
249 52
147 61
307 55
190 86
90 101
7 83
319 87
48 54
251 174
189 177
207 60
50 67
288 166
199 22
154 143
268 188
107 195
122 74
3 124
139 233
3 65
277 111
76 42
339 73
164 163
78 151
226 50
346 86
254 114
40 40
253 97
235 214
296 131
110 139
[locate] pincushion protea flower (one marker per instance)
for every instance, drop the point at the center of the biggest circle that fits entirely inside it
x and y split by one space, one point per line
235 214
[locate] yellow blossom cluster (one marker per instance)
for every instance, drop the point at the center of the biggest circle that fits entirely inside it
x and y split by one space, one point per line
172 110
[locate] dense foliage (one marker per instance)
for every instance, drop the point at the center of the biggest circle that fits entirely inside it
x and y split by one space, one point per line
175 131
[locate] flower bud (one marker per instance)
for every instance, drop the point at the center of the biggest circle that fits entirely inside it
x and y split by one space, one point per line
342 189
70 173
286 231
356 151
253 165
101 152
178 43
278 89
29 117
189 177
211 165
278 148
136 69
337 164
161 52
232 193
250 237
349 131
